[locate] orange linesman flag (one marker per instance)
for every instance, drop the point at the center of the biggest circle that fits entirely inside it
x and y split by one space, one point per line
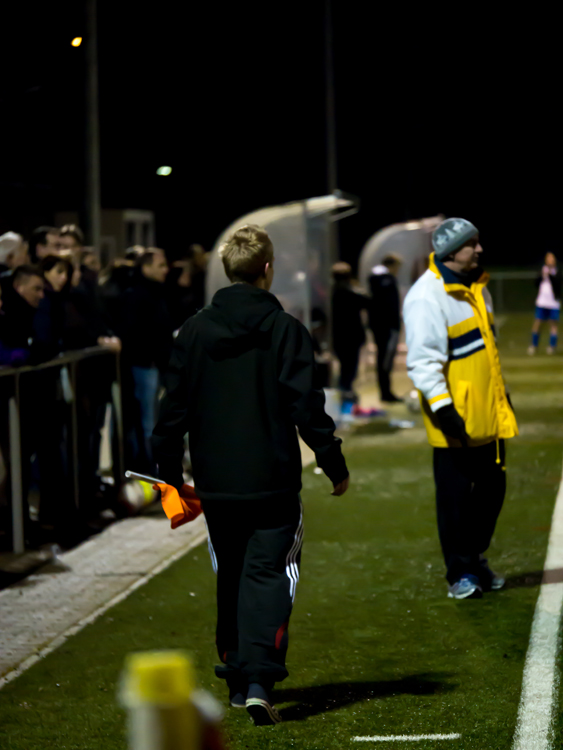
180 507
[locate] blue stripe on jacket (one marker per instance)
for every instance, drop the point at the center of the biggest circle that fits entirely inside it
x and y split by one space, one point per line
460 342
466 338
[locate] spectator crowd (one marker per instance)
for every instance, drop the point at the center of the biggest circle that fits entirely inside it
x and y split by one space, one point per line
54 299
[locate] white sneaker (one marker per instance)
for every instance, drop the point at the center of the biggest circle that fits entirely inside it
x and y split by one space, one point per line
531 350
467 587
549 350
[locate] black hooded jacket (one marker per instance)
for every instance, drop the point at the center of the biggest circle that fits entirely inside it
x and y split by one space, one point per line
385 308
240 380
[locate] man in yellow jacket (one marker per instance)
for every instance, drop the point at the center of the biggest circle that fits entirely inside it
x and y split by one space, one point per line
454 363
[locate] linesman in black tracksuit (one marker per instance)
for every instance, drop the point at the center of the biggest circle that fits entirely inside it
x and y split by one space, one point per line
240 380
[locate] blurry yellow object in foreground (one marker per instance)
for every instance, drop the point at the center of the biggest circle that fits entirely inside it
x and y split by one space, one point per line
163 677
165 712
77 41
156 688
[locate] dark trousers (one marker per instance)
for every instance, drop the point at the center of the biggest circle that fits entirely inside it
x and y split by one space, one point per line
255 548
44 431
94 379
386 340
140 411
348 356
470 489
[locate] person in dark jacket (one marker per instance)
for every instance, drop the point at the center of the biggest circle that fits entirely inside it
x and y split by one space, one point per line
21 300
49 322
348 334
44 241
42 404
179 290
146 333
71 239
86 326
199 261
114 281
385 320
240 380
37 394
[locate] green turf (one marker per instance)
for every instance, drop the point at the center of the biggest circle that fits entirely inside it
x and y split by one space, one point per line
375 645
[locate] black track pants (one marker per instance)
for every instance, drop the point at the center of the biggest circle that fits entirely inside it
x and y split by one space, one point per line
255 548
470 489
349 358
386 341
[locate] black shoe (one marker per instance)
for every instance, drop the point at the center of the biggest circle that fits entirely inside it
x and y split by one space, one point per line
237 699
238 690
392 399
259 706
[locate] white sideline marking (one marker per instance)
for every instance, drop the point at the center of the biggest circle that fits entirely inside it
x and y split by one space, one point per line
407 737
539 685
77 627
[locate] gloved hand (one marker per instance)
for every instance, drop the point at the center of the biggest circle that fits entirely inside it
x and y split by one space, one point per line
452 424
180 507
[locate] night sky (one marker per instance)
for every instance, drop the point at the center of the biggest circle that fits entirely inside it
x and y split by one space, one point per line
452 114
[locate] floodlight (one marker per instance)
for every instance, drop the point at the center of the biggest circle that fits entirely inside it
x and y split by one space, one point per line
77 41
164 171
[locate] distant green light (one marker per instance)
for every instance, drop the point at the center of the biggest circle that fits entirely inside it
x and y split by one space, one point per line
163 171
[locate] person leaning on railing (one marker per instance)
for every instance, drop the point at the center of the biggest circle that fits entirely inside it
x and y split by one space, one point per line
21 300
49 320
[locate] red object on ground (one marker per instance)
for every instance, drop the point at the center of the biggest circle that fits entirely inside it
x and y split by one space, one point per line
357 411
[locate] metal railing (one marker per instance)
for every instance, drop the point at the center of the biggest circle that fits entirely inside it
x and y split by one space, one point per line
513 291
67 363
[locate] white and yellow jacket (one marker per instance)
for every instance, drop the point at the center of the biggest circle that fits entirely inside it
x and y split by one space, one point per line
453 358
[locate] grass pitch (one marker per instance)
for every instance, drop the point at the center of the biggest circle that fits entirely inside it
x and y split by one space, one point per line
376 648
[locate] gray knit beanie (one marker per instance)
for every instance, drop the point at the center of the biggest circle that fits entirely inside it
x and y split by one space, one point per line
451 235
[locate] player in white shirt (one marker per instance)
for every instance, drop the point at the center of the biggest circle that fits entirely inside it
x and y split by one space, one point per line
548 303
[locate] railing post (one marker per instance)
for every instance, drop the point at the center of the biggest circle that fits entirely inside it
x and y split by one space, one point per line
74 435
70 360
118 471
18 540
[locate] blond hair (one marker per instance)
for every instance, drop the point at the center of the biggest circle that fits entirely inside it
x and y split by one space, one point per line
246 252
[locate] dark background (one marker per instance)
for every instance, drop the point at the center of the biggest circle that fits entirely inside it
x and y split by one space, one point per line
436 113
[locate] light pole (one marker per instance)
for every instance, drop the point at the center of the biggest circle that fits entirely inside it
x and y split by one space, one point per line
331 164
92 188
332 177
